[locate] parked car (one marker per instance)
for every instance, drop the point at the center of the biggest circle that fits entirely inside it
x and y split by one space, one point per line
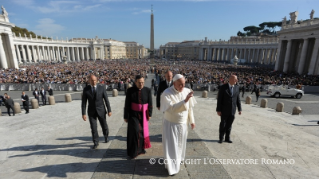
278 91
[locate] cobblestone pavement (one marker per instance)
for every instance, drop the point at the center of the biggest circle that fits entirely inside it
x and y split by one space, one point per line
116 165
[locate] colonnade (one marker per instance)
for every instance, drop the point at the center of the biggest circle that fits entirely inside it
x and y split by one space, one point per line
38 53
263 55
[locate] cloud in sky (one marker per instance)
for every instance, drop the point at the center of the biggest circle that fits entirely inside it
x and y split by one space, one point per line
142 11
62 6
46 26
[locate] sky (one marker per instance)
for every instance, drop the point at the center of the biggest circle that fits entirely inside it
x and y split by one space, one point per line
129 20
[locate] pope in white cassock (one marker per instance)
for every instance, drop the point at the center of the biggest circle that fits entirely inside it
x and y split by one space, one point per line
177 103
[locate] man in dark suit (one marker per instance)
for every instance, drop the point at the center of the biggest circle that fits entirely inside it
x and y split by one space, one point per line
43 94
25 102
168 82
36 94
50 91
9 104
96 95
228 99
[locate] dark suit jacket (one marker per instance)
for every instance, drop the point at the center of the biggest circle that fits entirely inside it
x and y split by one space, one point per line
162 86
96 102
226 103
26 98
35 95
9 103
50 92
43 94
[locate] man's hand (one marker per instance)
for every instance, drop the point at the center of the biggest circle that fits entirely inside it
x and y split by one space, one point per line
193 126
109 114
158 108
149 118
239 112
219 113
189 96
125 120
84 117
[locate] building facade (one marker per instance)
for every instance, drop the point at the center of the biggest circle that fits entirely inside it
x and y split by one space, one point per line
21 49
299 46
253 50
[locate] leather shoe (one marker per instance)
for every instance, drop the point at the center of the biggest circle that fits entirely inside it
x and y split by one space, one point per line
229 141
107 140
95 146
220 141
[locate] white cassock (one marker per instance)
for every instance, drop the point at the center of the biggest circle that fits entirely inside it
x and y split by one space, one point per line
177 115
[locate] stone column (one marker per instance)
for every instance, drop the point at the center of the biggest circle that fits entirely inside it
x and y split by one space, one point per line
72 52
257 56
33 54
232 54
68 53
29 54
278 55
253 59
93 53
38 51
43 53
245 53
49 54
23 53
209 54
218 54
314 58
82 54
303 56
14 62
3 59
54 53
63 53
78 54
287 57
59 54
87 53
18 53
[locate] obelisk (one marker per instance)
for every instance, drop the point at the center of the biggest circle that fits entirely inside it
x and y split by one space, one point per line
152 35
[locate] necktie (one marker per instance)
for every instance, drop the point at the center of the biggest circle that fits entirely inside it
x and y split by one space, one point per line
231 90
93 90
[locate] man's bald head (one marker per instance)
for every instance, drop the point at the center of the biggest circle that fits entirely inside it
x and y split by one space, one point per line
93 80
169 75
233 79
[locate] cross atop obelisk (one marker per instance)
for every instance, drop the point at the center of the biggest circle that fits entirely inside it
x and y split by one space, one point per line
152 34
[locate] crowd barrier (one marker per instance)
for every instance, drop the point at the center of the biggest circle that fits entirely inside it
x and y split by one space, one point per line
80 87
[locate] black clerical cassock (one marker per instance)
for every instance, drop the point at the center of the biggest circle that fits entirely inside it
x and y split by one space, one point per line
138 106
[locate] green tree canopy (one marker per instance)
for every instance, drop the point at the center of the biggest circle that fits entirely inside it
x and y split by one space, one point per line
23 31
252 29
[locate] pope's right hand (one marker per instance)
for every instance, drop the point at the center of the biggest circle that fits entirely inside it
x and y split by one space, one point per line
84 117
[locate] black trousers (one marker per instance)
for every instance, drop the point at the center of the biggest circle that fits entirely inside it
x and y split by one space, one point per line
10 107
93 124
44 100
225 126
26 106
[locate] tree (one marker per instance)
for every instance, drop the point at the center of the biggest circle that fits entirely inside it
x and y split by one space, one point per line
252 29
17 30
241 34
